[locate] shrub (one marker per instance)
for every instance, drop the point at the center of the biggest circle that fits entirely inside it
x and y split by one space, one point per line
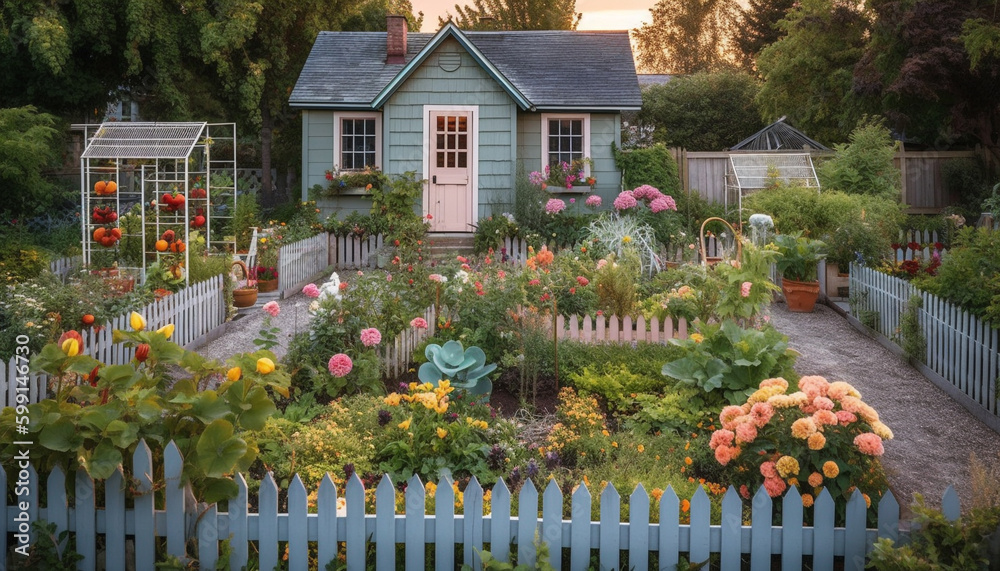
580 436
727 362
969 275
864 165
491 231
652 165
616 291
616 384
529 201
821 436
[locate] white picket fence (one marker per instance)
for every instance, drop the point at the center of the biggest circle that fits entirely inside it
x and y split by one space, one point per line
397 355
620 330
63 267
351 252
516 249
962 349
301 261
340 526
195 311
926 239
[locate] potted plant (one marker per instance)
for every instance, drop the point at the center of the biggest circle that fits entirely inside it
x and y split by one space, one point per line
798 257
245 292
267 278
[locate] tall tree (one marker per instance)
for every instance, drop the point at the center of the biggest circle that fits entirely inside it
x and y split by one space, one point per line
808 73
757 28
702 111
515 15
920 71
370 16
687 36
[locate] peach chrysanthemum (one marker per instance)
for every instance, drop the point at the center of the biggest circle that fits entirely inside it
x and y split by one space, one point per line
839 389
803 428
822 403
815 479
846 417
824 417
746 432
775 382
851 404
807 500
831 469
721 437
761 413
799 398
868 413
775 486
869 443
814 386
768 470
728 415
816 441
882 430
723 454
787 466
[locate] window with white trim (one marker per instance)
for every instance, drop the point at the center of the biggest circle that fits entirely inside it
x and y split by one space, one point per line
356 141
565 138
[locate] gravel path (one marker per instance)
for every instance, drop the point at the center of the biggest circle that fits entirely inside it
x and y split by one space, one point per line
934 435
240 333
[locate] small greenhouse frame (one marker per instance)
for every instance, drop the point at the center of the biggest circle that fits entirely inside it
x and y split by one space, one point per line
177 177
750 172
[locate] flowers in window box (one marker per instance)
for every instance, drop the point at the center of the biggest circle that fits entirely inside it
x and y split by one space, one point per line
338 180
563 175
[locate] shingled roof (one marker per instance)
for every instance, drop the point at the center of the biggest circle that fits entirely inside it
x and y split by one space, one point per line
347 70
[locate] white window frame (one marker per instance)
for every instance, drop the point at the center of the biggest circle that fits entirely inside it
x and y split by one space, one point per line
585 117
338 118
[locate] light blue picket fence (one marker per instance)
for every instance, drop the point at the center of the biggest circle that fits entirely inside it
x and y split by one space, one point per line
301 261
962 353
341 527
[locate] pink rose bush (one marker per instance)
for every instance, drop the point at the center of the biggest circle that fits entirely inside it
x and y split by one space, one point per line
822 436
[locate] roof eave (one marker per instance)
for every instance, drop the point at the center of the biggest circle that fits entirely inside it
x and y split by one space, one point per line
449 30
329 105
587 108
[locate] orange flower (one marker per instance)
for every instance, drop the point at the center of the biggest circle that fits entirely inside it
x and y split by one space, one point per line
685 506
688 460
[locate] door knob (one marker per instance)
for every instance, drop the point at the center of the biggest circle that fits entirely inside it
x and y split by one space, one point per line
434 179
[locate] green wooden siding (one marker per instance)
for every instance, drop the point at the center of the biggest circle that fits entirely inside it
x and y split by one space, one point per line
317 148
605 128
466 86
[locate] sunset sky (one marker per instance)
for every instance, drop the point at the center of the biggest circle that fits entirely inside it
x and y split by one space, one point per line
597 14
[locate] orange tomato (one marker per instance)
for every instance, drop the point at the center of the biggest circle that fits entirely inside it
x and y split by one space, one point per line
161 245
87 319
99 187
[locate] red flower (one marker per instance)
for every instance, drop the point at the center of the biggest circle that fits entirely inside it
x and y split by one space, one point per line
938 246
429 217
913 246
895 245
582 280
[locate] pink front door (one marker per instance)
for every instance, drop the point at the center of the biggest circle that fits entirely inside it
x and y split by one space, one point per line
450 171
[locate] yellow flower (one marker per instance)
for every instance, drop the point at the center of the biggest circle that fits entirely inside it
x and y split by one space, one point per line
265 366
626 239
816 441
787 466
137 321
392 399
614 444
605 432
697 337
441 433
167 330
807 500
657 493
234 374
830 469
71 347
405 425
641 448
263 240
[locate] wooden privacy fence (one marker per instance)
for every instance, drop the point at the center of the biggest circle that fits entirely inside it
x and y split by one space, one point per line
338 525
962 352
301 261
195 311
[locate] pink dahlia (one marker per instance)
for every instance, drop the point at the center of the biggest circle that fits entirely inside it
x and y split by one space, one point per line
846 417
371 337
555 206
721 437
272 309
418 323
625 200
582 280
340 365
723 454
775 486
761 413
437 278
729 414
311 290
869 443
593 201
769 469
746 432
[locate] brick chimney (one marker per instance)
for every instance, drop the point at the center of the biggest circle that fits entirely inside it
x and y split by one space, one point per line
395 39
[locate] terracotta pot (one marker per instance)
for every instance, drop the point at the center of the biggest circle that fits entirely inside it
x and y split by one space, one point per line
244 297
800 296
267 285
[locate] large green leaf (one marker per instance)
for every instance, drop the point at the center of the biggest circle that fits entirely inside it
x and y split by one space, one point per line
61 435
251 410
218 450
98 417
103 461
207 406
122 434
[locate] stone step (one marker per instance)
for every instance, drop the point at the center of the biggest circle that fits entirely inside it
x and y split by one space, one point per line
444 245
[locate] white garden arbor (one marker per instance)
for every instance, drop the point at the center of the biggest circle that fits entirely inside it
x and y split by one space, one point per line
148 189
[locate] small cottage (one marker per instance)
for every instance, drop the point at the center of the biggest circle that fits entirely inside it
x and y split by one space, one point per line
463 110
